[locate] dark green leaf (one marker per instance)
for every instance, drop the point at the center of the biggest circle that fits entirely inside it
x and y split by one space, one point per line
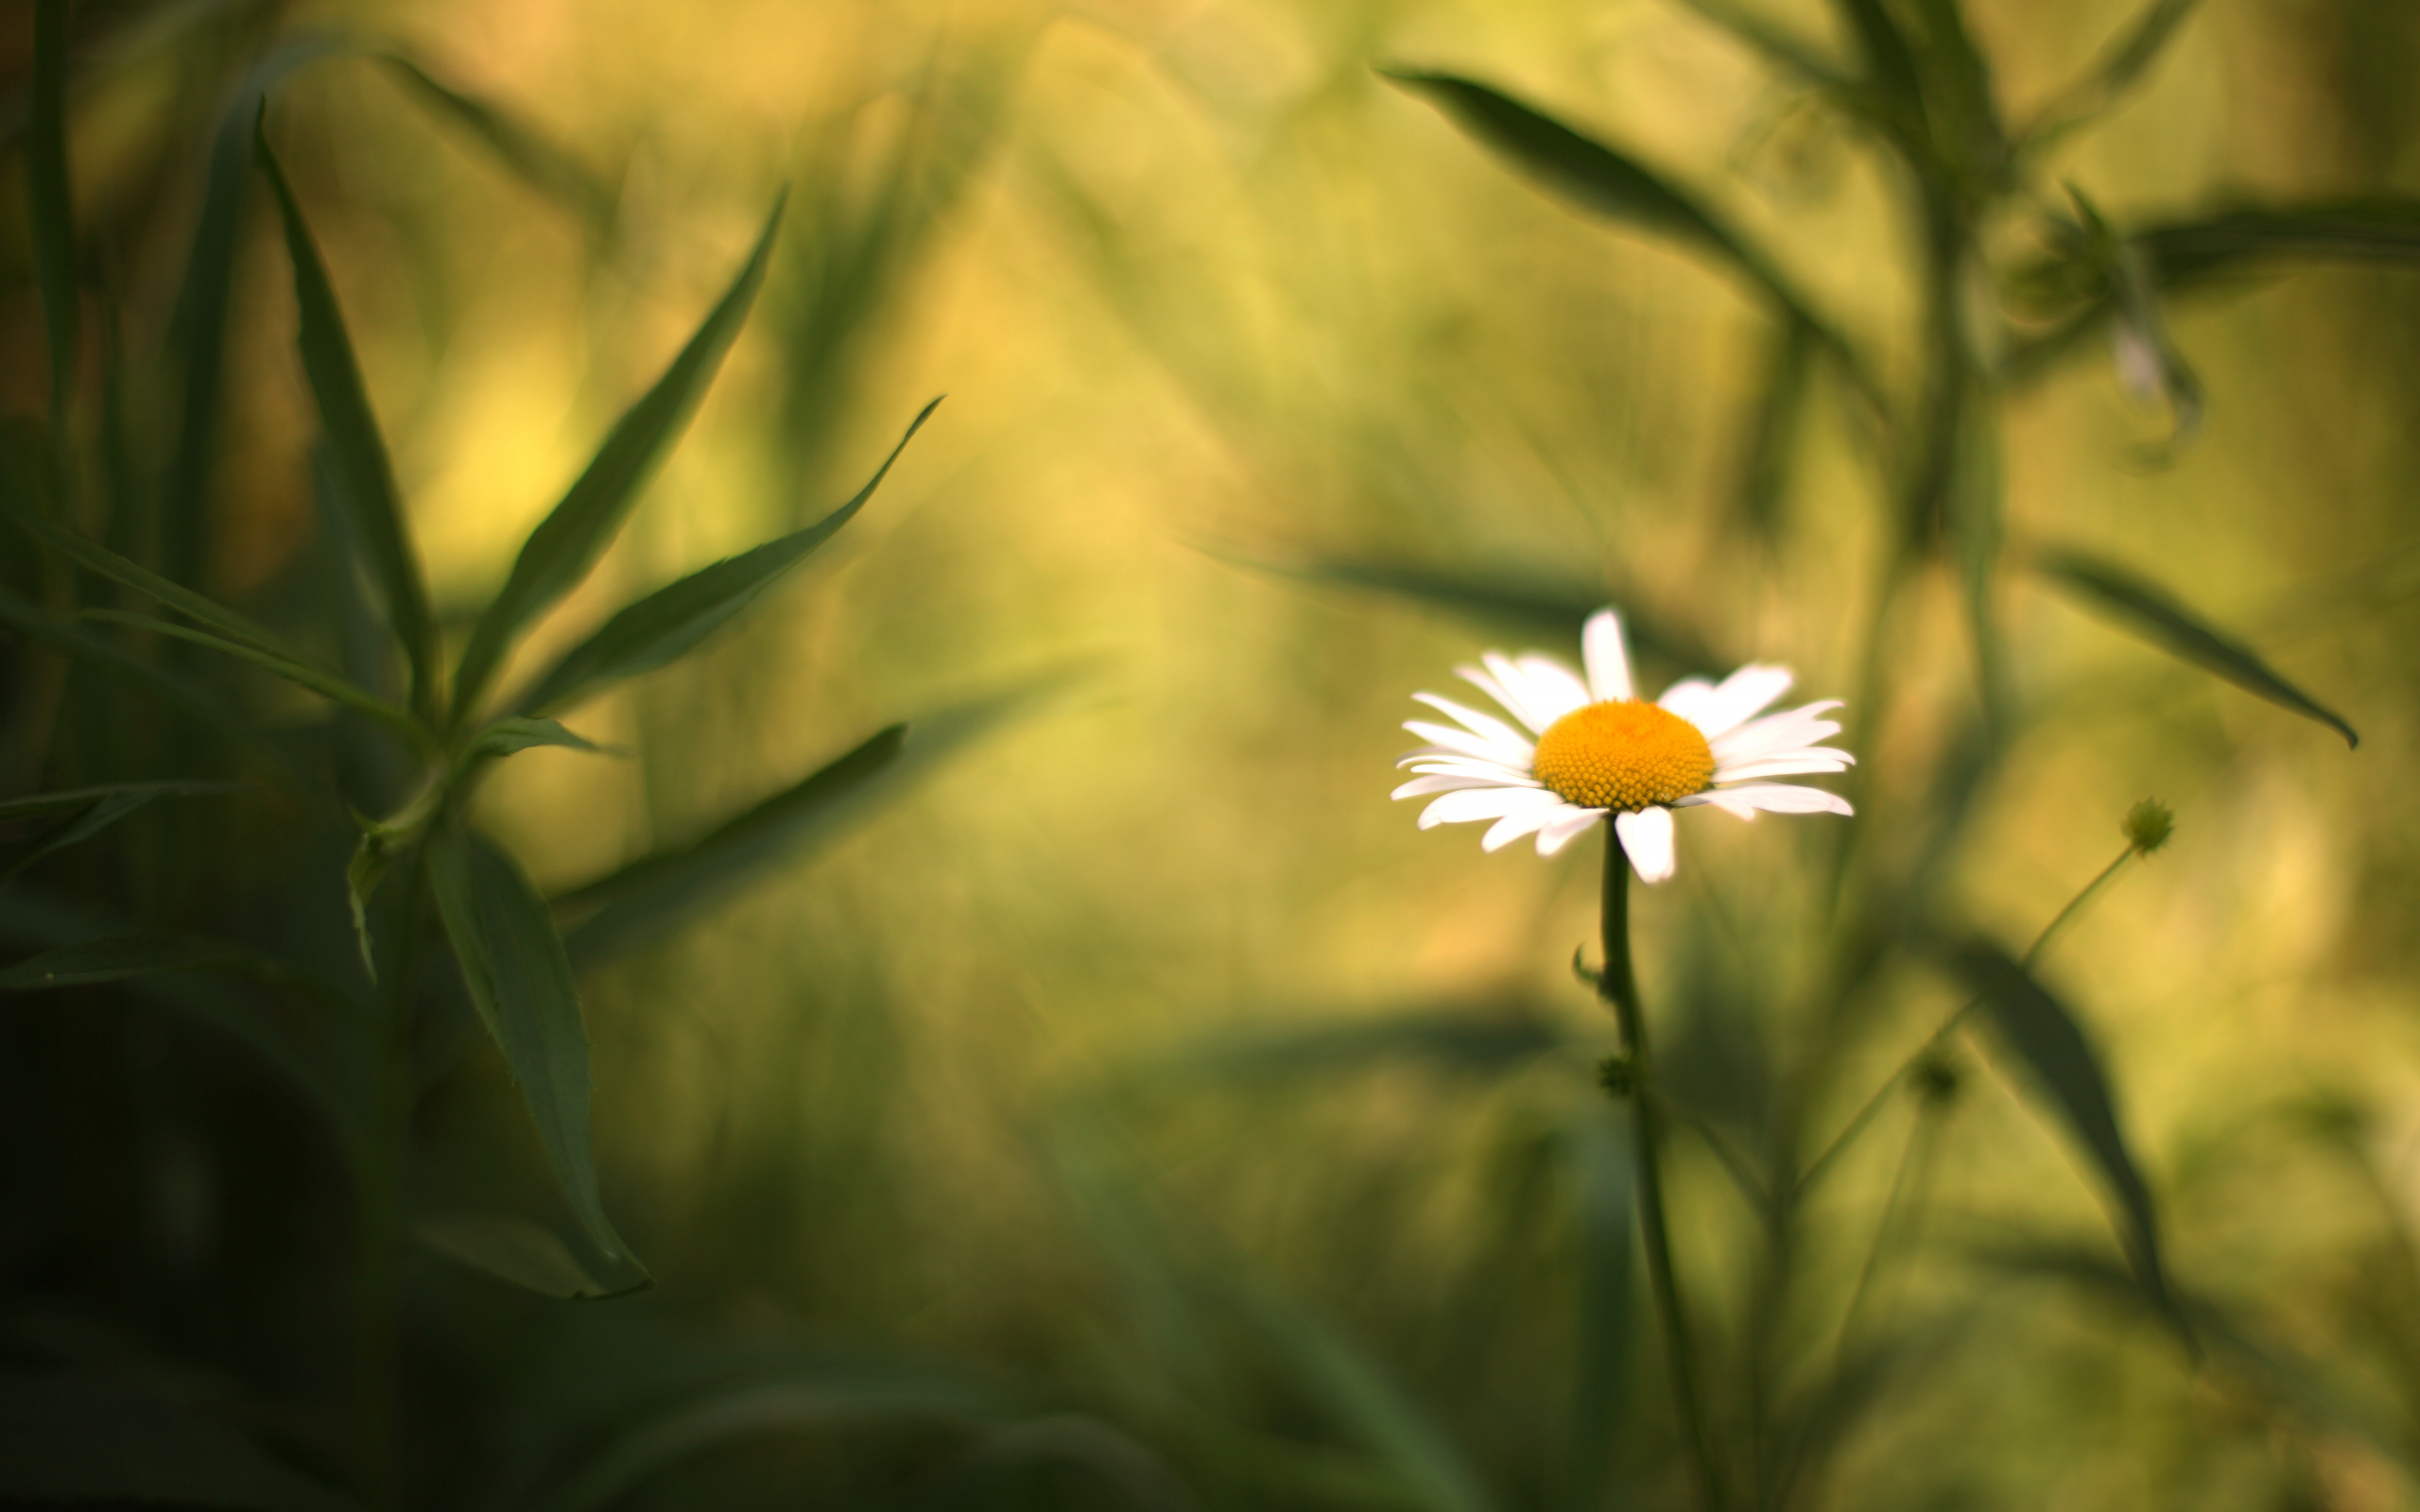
2109 80
2148 611
1551 610
1777 45
2052 1045
656 892
512 1249
518 977
1605 1333
319 679
113 960
1959 80
365 478
520 147
88 1438
671 621
91 810
569 542
1594 176
506 736
197 333
1890 61
50 209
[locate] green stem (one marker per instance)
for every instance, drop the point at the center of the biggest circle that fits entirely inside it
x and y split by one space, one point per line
1619 987
385 1145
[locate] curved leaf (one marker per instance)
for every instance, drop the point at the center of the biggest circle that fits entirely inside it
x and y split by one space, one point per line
2053 1044
512 1249
507 736
115 960
526 153
671 622
2109 80
2145 609
521 981
365 477
90 810
325 683
569 542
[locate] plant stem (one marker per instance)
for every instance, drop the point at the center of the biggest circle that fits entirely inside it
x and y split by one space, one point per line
385 1146
1619 989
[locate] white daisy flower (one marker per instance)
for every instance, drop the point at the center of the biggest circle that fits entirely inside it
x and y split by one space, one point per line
1601 749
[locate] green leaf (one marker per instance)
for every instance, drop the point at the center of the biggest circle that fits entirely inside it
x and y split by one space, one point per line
507 736
83 1437
49 207
1772 431
1605 1333
1777 45
115 960
514 965
2053 1044
319 679
671 622
362 875
2110 78
523 151
91 810
569 542
512 1249
1478 1038
2147 611
1594 177
365 478
1552 610
1364 1401
658 891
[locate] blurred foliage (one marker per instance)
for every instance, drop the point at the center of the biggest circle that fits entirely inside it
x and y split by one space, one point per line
537 765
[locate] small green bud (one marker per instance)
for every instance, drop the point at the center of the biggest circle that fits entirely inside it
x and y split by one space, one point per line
1618 1077
2148 825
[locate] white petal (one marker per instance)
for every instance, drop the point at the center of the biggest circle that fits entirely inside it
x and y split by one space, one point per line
1739 696
1512 826
1647 837
1479 724
1502 694
1564 828
1518 696
1601 647
1442 782
1486 803
1772 798
1470 744
1555 689
1776 733
1687 697
1791 763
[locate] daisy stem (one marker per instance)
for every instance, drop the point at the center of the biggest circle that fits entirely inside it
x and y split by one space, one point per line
1619 987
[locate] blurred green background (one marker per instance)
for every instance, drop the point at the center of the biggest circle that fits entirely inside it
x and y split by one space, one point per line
1136 1108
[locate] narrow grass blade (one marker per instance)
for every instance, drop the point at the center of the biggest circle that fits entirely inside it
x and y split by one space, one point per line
514 965
648 896
1368 1404
357 454
1772 431
2110 78
1550 609
50 210
520 148
1778 46
115 960
509 736
569 542
1593 176
513 1249
1600 1163
319 681
1476 1039
89 811
672 621
2150 612
2038 1027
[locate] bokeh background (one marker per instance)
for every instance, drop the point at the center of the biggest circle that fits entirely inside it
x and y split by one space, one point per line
1136 1109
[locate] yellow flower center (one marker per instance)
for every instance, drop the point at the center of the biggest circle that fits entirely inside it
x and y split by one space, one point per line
1623 754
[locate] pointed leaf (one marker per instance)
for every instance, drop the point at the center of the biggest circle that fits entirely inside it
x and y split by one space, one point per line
2146 609
50 208
115 960
2111 77
518 977
319 679
671 622
2051 1044
526 153
506 736
92 810
512 1249
569 542
365 477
